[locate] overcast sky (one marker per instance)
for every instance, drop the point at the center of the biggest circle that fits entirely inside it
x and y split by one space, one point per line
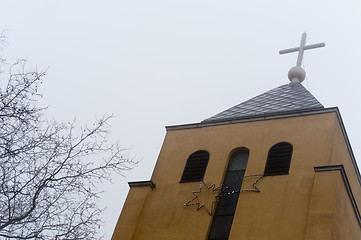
158 63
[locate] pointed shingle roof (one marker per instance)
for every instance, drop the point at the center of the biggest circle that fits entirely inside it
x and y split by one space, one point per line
288 98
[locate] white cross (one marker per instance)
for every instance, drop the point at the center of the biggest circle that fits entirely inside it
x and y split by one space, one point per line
301 48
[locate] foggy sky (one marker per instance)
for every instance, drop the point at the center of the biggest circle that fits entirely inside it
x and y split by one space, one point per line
159 63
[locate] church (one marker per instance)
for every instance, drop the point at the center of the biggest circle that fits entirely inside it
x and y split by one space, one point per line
276 167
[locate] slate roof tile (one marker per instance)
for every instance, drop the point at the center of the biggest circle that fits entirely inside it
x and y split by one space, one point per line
292 97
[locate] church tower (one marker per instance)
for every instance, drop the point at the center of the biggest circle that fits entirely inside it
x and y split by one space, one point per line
276 167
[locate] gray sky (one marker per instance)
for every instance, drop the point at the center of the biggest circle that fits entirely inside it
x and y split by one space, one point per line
158 63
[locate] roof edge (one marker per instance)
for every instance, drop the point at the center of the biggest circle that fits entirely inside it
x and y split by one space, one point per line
253 118
262 115
142 184
348 144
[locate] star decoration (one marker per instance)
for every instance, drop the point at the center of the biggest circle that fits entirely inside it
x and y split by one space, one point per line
254 184
218 192
213 190
254 189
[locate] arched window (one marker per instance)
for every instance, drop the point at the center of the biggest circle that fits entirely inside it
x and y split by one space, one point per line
195 167
226 206
279 159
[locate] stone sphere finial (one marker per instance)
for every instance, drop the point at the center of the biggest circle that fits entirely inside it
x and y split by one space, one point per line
296 74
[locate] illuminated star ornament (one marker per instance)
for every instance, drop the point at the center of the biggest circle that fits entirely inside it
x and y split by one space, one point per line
209 194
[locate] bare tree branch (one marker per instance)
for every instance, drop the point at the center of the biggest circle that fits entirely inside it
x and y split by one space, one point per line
48 174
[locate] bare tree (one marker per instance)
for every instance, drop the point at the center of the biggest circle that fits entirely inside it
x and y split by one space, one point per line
49 171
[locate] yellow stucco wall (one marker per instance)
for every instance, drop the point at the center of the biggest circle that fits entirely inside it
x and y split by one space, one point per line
322 205
280 211
129 219
340 155
344 225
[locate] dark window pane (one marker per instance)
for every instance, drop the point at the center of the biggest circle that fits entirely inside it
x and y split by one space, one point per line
227 204
221 227
233 181
195 167
238 161
279 159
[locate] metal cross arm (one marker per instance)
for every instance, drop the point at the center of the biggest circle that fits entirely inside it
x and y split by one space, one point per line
296 49
301 48
297 74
